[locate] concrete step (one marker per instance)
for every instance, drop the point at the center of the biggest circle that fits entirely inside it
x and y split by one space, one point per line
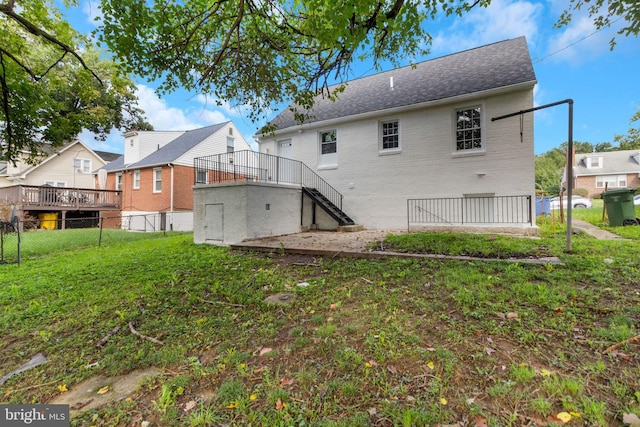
350 228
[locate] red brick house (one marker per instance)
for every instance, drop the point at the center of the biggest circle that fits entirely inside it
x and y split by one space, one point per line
612 169
156 174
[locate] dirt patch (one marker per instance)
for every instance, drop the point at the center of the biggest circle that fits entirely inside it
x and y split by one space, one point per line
101 390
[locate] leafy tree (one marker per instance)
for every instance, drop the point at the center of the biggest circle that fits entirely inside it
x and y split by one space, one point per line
49 92
605 13
630 141
261 53
548 169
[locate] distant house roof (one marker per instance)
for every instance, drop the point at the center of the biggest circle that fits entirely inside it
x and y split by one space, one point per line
171 151
107 156
493 66
613 163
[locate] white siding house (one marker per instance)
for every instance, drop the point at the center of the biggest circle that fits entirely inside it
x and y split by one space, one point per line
424 132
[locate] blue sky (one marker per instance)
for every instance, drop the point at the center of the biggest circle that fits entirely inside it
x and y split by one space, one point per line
573 62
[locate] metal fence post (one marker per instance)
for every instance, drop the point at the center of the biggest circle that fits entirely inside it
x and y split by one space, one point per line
19 245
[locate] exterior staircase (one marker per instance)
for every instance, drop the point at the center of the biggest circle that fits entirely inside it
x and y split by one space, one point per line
328 206
248 165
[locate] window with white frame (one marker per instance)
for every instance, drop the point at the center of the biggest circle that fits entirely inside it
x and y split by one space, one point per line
119 181
611 181
468 128
157 180
390 135
55 183
594 162
201 176
328 148
82 165
136 179
230 144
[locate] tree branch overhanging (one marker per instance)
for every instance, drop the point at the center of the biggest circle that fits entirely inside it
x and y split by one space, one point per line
8 10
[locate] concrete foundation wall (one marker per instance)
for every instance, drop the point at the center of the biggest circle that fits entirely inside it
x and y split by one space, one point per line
230 213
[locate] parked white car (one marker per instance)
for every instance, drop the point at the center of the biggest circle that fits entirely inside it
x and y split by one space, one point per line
578 202
636 200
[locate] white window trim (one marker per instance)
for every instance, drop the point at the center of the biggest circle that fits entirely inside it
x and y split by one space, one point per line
590 165
385 151
82 165
155 180
603 180
119 181
58 184
136 179
483 132
332 165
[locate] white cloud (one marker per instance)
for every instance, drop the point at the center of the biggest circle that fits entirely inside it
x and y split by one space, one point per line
162 116
91 9
502 20
579 42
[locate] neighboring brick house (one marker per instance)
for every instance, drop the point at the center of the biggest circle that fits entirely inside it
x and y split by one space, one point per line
156 173
612 169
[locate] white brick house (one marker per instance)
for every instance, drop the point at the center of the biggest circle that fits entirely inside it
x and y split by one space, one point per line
422 132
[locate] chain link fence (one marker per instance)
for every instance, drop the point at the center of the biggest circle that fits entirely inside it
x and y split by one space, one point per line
21 240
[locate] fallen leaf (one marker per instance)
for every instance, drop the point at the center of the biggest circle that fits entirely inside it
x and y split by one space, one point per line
489 350
392 369
411 399
565 417
258 370
575 414
332 306
62 388
443 401
103 390
545 372
232 405
480 421
189 405
265 350
280 405
631 419
253 397
286 381
512 315
470 401
431 366
373 363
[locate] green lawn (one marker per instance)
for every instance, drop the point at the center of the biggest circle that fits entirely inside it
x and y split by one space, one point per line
367 342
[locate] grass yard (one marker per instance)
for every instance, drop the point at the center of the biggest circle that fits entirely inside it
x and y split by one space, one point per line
392 342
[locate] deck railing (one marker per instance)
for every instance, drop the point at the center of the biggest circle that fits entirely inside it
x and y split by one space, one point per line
243 166
33 196
470 210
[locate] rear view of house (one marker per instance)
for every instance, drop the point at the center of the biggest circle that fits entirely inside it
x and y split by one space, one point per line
412 147
156 175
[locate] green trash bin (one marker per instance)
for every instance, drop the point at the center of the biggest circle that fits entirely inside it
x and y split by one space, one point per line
619 206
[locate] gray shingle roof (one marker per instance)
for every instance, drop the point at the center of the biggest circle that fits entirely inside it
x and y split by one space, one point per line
613 162
171 151
492 66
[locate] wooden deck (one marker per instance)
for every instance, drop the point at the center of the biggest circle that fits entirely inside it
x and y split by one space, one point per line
46 198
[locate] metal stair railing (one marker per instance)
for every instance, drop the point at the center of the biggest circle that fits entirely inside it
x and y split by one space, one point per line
247 165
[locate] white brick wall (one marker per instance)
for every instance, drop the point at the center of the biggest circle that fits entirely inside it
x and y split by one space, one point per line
376 187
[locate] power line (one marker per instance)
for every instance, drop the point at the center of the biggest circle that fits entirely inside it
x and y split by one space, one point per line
576 42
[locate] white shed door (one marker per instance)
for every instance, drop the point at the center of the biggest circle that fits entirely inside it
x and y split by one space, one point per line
214 222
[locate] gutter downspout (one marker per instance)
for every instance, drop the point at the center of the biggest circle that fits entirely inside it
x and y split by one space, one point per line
171 199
